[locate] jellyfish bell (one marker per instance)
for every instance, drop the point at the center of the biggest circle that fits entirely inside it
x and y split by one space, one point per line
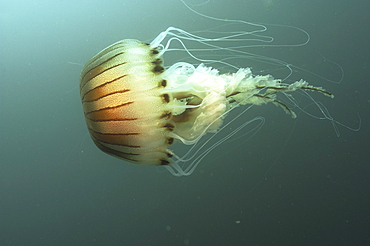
135 108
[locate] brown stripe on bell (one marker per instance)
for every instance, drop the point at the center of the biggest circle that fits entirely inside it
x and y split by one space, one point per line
99 69
108 113
99 93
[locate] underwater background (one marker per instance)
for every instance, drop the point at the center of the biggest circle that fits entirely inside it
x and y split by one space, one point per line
295 182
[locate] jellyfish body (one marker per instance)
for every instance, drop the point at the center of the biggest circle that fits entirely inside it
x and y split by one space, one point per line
135 109
124 103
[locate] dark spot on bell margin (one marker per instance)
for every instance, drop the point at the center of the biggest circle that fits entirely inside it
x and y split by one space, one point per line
166 98
157 61
155 52
166 115
158 69
164 162
169 155
163 83
170 141
169 127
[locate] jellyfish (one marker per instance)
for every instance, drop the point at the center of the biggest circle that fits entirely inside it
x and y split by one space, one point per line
136 108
